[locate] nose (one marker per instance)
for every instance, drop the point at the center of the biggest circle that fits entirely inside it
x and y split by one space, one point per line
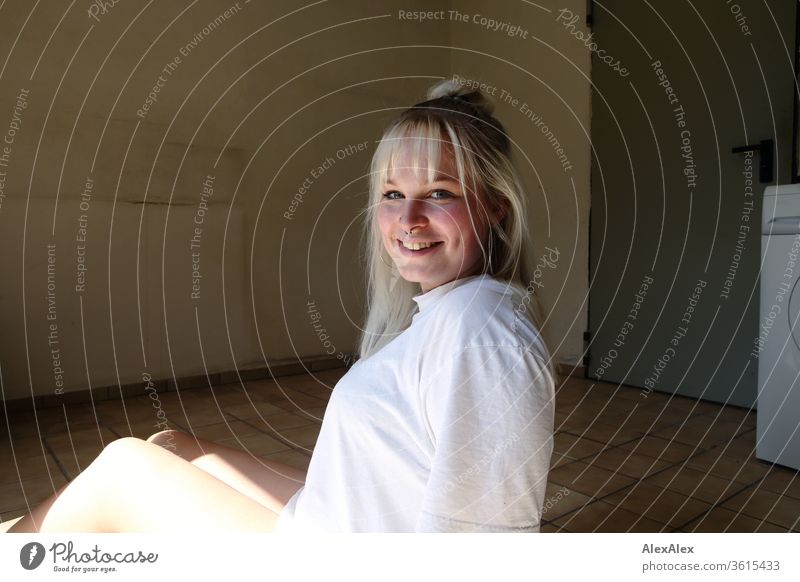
413 214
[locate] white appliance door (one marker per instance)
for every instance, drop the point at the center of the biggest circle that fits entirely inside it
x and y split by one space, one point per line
779 344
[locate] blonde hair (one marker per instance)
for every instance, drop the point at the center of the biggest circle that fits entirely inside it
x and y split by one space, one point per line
458 120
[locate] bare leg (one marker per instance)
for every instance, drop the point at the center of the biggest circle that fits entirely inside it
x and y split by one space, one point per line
8 523
270 483
136 486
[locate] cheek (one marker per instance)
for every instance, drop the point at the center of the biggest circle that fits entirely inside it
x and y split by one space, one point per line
456 223
385 221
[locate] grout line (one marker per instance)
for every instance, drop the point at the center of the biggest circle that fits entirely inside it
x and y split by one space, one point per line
721 501
632 486
57 461
276 436
597 499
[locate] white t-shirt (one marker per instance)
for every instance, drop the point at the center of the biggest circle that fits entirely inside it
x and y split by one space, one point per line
448 428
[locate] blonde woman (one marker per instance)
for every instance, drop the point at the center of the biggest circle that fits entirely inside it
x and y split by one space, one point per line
445 422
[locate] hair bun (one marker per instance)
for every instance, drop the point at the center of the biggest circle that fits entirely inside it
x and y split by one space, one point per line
449 88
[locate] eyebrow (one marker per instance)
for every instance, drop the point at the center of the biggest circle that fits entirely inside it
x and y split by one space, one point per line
436 178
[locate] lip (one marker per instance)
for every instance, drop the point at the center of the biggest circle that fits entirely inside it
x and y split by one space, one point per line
421 253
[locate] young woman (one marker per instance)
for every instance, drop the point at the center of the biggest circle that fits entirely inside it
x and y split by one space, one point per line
445 422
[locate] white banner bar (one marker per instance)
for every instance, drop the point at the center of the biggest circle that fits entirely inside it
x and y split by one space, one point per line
400 557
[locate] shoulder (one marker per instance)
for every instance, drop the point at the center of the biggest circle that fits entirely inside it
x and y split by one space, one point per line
485 311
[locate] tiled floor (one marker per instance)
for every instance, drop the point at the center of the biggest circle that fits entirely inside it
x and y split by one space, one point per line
621 462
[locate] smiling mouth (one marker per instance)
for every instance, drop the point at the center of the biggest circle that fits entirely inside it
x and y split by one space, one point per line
421 246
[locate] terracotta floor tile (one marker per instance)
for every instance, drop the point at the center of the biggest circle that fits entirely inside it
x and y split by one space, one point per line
28 468
304 437
54 420
765 505
297 402
284 420
626 463
264 385
661 449
706 430
193 420
200 404
221 396
574 446
226 430
742 447
86 438
142 429
173 400
646 420
560 500
567 396
737 414
255 410
292 458
557 460
131 409
605 517
293 382
716 462
658 504
289 399
257 444
19 428
588 411
332 375
315 388
682 406
694 406
640 397
589 480
782 481
79 448
23 447
658 418
13 495
696 484
76 462
605 433
315 414
720 520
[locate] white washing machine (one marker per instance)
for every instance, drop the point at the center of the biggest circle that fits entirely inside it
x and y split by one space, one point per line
778 417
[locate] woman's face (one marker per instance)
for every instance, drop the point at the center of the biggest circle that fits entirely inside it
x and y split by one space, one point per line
434 212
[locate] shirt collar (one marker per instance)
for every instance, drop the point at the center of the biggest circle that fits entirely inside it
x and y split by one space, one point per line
425 300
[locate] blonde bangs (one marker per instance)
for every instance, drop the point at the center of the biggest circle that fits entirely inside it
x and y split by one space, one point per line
419 143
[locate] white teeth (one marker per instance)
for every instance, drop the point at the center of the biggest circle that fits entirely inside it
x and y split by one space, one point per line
417 246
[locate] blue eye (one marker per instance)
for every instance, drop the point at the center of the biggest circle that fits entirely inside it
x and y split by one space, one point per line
436 195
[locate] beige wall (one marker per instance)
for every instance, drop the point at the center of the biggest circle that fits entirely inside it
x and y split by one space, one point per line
259 116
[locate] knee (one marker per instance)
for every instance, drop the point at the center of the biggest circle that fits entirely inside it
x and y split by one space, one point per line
167 439
123 443
118 452
123 458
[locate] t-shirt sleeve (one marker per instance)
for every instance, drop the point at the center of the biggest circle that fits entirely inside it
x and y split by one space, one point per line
490 414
